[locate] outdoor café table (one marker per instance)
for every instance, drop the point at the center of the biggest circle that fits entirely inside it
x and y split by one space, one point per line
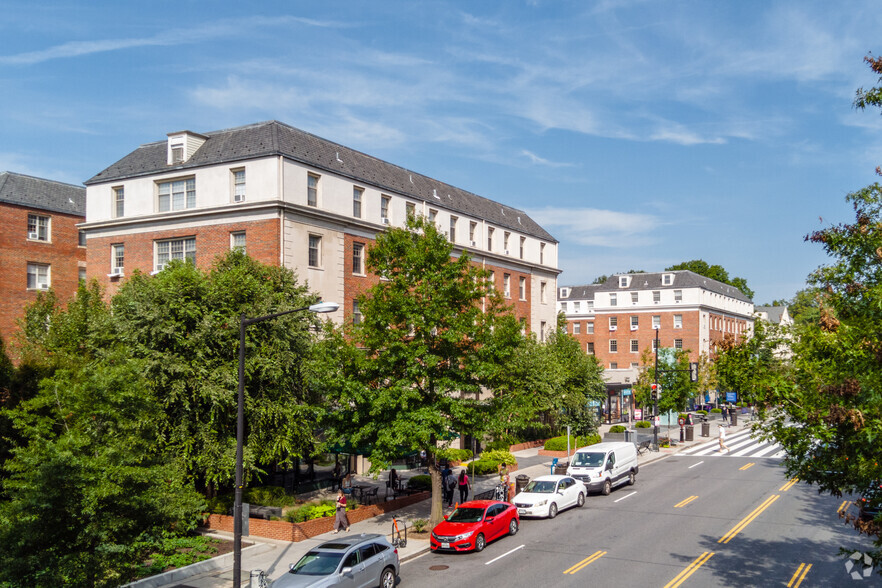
358 490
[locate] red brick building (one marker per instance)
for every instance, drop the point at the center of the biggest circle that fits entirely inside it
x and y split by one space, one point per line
40 245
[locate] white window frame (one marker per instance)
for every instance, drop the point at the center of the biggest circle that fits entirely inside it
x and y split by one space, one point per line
678 295
177 194
117 259
238 178
577 328
656 296
656 321
357 317
166 250
589 328
119 201
473 226
385 201
577 306
543 292
635 322
313 183
635 346
39 227
39 276
635 297
490 231
613 345
314 251
506 285
678 321
613 323
522 288
678 344
523 246
589 347
452 234
613 299
357 198
358 259
238 240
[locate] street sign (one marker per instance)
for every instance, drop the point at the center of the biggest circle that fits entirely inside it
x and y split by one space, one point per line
731 396
638 414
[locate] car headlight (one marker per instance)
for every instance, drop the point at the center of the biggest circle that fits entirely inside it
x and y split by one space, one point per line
541 503
463 536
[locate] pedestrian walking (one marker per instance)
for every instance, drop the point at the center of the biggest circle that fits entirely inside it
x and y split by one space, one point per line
341 521
450 489
338 476
723 439
393 479
464 487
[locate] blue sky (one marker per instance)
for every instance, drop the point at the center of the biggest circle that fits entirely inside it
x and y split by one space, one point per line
639 133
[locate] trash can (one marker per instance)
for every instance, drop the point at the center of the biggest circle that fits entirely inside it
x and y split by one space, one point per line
734 416
521 482
561 468
705 429
690 433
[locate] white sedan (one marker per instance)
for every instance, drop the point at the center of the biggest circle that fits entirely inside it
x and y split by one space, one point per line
545 496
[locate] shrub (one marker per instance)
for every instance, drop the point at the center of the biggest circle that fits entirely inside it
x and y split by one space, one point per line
268 496
483 467
682 415
560 443
701 412
422 481
717 410
642 425
455 454
499 445
419 525
500 457
316 510
617 429
535 432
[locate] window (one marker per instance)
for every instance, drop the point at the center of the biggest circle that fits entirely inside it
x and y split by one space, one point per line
384 209
613 300
81 238
589 348
613 323
667 279
356 313
654 346
239 185
38 227
590 304
82 273
312 186
613 365
589 328
542 331
523 245
678 295
623 281
678 343
357 193
506 285
635 346
506 237
613 346
119 202
522 288
433 214
315 251
166 251
177 153
634 365
656 296
490 238
452 234
577 328
543 290
635 322
577 307
541 252
38 276
678 321
237 240
410 209
472 228
633 297
177 195
118 259
358 258
656 321
492 279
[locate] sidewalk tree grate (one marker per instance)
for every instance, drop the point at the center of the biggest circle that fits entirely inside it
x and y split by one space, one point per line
438 568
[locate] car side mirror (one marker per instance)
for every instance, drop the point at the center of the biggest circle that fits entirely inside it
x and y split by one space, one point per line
291 566
489 519
609 466
346 570
445 517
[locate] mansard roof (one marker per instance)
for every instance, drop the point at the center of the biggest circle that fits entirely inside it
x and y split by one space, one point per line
42 194
683 279
273 138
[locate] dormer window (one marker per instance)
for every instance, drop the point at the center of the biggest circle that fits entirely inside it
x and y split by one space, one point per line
182 145
177 152
667 279
564 292
624 281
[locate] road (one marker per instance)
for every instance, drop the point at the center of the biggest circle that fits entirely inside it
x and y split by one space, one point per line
691 520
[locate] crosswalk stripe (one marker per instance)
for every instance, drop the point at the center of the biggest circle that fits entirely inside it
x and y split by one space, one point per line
741 444
713 443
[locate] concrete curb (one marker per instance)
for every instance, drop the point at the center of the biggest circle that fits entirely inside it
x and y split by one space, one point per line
220 562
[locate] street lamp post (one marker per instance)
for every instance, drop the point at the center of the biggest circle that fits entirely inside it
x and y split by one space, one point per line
655 398
240 427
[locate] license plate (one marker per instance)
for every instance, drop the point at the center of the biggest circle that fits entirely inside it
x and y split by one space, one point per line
522 511
445 546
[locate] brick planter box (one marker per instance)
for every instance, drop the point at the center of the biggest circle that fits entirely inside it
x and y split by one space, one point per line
550 453
285 531
526 445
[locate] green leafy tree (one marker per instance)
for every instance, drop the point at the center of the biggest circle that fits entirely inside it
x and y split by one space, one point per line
90 492
750 365
805 306
416 370
580 383
673 378
714 272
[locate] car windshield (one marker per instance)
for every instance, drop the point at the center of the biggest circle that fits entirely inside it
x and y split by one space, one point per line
317 563
588 460
540 487
466 515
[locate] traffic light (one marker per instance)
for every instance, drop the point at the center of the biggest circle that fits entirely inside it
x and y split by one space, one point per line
693 372
655 389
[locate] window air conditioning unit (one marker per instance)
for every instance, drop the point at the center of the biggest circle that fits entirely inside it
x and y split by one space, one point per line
474 244
44 286
239 198
633 327
33 235
506 252
117 271
160 267
385 220
613 328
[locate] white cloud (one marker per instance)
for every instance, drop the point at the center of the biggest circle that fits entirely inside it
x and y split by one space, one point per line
542 161
596 227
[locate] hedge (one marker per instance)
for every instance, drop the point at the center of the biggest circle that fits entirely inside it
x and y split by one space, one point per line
642 425
421 481
617 429
717 410
560 443
701 412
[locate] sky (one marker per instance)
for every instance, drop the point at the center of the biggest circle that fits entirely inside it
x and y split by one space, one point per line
640 134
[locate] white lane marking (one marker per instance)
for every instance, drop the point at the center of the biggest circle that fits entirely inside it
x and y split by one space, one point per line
711 444
504 554
624 497
697 464
769 449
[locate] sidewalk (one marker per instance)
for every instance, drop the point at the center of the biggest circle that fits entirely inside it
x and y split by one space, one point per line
274 557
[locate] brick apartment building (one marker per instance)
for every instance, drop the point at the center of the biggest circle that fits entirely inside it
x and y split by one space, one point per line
40 245
617 321
293 199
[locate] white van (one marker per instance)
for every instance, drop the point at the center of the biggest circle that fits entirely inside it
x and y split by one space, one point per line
605 465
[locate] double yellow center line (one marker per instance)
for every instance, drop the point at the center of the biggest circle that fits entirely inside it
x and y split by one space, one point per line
681 577
683 503
591 558
788 485
799 576
746 520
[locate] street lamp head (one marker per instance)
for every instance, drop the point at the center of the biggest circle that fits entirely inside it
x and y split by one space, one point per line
324 307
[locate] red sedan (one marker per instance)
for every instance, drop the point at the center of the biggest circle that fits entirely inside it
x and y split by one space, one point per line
474 524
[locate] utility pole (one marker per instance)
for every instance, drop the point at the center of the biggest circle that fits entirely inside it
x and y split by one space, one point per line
655 397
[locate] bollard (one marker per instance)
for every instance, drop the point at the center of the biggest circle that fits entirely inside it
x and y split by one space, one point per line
682 434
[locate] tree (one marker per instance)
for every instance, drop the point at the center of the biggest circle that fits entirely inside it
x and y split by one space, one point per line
750 366
673 378
804 307
714 272
417 369
90 492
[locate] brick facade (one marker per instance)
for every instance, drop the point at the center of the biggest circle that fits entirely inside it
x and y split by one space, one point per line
61 252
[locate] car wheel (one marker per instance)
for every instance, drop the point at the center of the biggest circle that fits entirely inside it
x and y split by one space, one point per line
632 479
513 527
607 488
552 510
387 580
581 500
480 542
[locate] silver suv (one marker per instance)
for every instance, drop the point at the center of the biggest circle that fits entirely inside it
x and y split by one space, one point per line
356 560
